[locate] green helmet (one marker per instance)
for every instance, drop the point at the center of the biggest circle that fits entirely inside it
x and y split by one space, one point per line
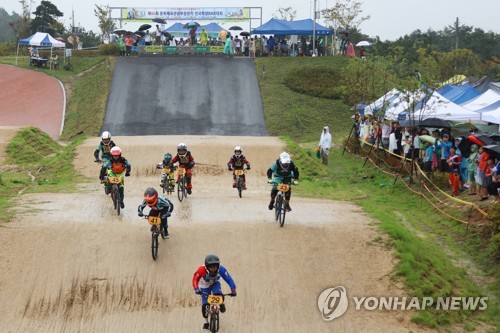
167 157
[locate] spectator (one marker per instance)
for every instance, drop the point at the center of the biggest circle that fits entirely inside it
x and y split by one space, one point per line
147 38
237 46
444 146
129 41
463 165
428 156
454 160
228 47
362 53
386 131
204 37
252 48
246 46
270 45
192 36
406 144
54 61
121 45
325 142
495 179
223 36
158 35
472 161
482 191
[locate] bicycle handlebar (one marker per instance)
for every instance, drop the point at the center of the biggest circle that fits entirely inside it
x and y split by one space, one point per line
206 294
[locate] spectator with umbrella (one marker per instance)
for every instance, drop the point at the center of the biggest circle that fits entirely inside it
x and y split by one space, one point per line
472 161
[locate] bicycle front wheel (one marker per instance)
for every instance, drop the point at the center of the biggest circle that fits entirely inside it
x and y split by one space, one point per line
278 207
180 189
281 218
239 186
154 245
214 323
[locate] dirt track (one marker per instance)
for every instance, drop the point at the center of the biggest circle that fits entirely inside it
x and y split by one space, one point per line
69 264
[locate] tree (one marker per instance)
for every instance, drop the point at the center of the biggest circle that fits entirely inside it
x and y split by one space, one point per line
45 20
106 24
345 14
285 14
21 26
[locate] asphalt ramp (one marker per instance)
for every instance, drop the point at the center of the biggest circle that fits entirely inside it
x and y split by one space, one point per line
185 96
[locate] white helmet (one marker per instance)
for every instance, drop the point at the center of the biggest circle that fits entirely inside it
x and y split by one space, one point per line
238 148
182 147
285 158
106 135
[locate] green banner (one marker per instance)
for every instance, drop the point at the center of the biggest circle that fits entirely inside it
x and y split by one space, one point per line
201 49
171 49
153 49
216 49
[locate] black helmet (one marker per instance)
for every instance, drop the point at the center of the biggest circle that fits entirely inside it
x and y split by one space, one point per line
211 260
151 196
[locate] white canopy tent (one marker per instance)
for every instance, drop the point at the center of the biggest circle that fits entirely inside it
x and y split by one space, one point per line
440 107
407 101
385 100
41 39
489 97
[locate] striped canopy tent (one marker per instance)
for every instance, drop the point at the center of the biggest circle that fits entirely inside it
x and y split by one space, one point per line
40 39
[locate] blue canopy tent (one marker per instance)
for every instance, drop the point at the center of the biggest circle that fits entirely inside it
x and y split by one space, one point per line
459 94
300 27
41 39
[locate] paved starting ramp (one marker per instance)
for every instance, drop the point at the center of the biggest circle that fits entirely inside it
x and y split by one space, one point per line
185 96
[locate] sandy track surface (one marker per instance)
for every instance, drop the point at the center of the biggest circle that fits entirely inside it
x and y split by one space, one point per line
70 264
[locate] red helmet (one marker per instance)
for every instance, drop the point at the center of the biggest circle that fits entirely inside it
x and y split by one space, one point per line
116 151
151 196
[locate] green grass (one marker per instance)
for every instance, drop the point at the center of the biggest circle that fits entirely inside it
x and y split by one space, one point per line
87 106
427 244
80 64
33 152
293 114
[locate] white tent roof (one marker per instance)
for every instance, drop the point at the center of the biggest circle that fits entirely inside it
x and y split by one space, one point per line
440 107
405 101
42 39
379 103
487 98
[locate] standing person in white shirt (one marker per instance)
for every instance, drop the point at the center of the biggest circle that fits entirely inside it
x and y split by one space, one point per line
325 142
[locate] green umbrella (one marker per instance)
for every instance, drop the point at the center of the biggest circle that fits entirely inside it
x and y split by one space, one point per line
427 138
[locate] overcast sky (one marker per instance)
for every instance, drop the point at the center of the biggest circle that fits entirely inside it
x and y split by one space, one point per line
390 19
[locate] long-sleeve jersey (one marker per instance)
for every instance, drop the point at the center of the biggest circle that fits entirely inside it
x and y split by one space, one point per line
117 166
278 173
105 149
237 162
186 161
201 279
162 205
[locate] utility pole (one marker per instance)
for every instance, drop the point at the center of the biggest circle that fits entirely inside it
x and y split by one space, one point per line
456 34
314 30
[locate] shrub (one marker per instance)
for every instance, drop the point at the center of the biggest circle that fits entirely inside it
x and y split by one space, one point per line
314 81
8 48
109 49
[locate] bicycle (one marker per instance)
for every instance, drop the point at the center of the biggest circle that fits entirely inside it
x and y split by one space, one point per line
279 202
115 183
239 180
166 181
156 230
215 301
181 183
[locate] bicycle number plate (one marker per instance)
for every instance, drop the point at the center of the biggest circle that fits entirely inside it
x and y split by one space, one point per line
283 187
181 171
154 220
215 299
166 170
114 180
239 172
